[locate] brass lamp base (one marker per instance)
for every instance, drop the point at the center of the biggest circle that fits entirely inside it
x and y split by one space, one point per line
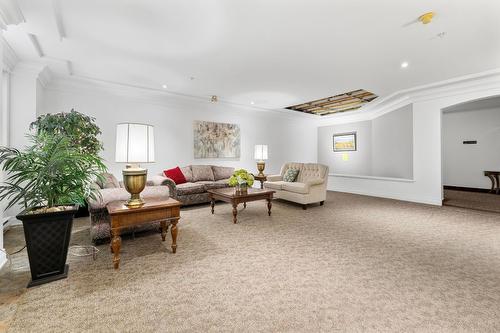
134 180
260 166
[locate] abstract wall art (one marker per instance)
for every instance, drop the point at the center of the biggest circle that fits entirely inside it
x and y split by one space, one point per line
216 140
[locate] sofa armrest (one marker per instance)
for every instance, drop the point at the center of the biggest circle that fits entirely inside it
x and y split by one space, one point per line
158 180
274 178
316 181
172 187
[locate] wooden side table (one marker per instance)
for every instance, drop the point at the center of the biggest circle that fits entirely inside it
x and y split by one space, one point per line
167 212
261 179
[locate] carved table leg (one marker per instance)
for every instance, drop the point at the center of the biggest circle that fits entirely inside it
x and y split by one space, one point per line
235 212
212 204
116 243
164 228
269 206
173 232
493 182
244 205
497 184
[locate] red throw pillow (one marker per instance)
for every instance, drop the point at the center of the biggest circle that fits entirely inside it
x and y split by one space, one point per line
176 175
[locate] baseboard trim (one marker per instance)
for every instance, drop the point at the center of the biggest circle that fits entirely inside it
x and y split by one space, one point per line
466 189
426 201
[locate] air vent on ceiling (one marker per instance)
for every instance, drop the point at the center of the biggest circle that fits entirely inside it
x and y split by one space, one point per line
339 103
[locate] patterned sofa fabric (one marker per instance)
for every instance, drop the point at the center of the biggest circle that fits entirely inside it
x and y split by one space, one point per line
221 173
201 178
202 172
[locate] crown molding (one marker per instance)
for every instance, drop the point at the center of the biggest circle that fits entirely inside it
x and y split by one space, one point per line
29 68
79 83
56 6
10 14
441 89
36 45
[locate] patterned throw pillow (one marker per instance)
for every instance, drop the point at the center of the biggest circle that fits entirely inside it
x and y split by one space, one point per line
291 175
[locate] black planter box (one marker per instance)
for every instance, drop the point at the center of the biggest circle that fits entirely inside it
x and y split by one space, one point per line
47 240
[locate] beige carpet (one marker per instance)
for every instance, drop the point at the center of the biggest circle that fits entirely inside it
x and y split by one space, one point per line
356 264
472 200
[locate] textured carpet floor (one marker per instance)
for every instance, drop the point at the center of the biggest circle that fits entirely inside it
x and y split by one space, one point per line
356 264
472 200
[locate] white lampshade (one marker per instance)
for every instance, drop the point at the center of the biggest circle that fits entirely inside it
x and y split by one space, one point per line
134 143
260 152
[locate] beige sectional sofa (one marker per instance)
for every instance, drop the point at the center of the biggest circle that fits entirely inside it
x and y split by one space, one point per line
309 187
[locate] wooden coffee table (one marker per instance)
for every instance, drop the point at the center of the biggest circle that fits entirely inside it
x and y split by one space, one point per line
228 195
167 212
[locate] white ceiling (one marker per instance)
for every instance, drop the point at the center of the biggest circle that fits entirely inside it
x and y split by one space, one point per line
276 53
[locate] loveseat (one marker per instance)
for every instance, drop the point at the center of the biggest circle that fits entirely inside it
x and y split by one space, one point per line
199 179
309 186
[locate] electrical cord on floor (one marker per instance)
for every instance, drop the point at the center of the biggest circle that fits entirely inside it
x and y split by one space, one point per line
16 251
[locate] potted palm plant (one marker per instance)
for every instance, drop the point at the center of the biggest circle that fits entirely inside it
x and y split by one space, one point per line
50 178
81 131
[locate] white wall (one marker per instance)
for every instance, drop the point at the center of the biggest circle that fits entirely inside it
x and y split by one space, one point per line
392 144
463 165
384 146
357 162
289 138
428 102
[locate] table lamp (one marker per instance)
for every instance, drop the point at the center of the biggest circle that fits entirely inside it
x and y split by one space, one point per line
260 155
134 145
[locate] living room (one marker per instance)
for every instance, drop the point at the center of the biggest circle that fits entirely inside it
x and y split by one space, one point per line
255 166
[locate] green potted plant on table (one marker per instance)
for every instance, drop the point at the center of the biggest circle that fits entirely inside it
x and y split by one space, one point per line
50 178
241 180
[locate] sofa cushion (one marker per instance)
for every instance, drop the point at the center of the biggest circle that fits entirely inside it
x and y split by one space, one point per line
290 175
190 188
109 181
209 185
222 172
223 181
296 187
274 185
311 171
115 194
176 175
202 172
188 173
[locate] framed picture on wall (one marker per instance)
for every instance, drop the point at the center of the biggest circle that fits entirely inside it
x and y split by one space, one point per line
344 142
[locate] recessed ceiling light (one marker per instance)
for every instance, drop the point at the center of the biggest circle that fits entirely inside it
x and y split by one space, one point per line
252 102
164 86
404 64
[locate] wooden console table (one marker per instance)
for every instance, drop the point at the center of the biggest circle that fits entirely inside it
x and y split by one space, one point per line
495 184
167 212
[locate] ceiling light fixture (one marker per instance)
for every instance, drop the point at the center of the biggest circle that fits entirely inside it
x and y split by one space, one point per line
164 86
214 99
252 102
404 64
426 18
